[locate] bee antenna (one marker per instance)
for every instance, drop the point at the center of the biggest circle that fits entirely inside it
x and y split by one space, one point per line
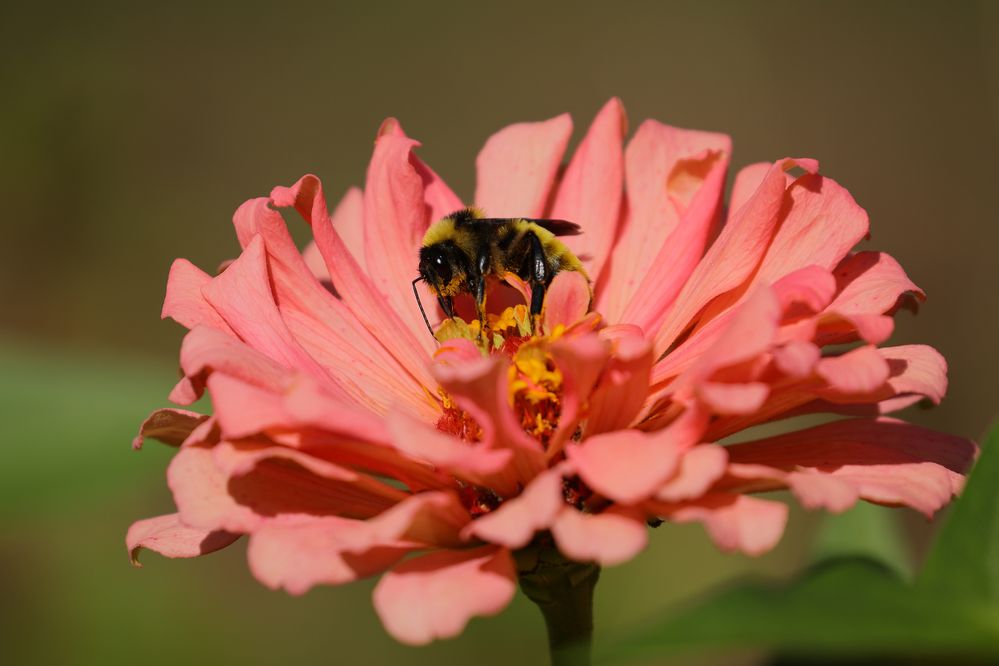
422 311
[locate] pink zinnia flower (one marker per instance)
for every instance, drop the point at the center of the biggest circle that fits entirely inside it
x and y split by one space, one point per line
345 439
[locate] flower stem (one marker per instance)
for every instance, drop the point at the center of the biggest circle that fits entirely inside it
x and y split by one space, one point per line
563 591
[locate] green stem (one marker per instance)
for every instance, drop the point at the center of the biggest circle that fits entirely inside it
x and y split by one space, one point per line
563 591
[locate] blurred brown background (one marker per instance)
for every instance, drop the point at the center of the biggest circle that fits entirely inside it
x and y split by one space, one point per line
129 132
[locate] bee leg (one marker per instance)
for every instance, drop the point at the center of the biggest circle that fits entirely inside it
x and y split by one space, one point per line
538 277
480 293
446 305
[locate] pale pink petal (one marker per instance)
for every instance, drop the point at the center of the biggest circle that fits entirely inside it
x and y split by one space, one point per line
185 303
860 370
608 538
299 556
170 426
619 395
169 537
517 167
591 188
727 399
699 467
916 369
627 465
431 519
348 220
313 258
734 522
666 169
750 332
796 358
434 596
736 253
516 520
747 180
566 301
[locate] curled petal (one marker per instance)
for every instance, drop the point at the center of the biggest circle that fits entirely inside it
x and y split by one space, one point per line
727 399
170 426
626 465
299 556
185 302
860 370
169 537
439 586
700 467
514 523
734 522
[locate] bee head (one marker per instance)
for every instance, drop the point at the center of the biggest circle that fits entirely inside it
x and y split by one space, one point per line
444 267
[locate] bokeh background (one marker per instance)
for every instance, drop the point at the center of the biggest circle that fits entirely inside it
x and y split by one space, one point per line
129 132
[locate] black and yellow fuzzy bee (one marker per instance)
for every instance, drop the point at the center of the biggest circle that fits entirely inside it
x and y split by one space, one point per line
464 250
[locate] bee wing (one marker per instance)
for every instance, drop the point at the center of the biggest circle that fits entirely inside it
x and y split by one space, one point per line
557 227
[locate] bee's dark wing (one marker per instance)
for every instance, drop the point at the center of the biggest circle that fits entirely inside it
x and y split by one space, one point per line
557 227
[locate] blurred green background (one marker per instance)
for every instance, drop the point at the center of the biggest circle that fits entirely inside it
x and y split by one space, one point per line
129 132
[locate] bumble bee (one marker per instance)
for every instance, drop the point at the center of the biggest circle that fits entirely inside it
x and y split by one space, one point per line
463 250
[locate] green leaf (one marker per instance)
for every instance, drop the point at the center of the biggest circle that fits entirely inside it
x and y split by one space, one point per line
866 530
849 606
964 561
859 606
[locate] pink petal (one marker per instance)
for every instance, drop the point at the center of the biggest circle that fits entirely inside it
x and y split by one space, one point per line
243 297
480 388
812 287
257 487
566 301
516 520
410 347
581 360
357 354
517 167
299 556
169 537
170 426
860 370
434 596
206 350
666 169
395 218
313 258
797 358
185 303
870 283
727 399
734 256
629 465
608 538
473 463
591 188
618 397
821 226
750 332
887 461
747 180
734 522
916 369
699 467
